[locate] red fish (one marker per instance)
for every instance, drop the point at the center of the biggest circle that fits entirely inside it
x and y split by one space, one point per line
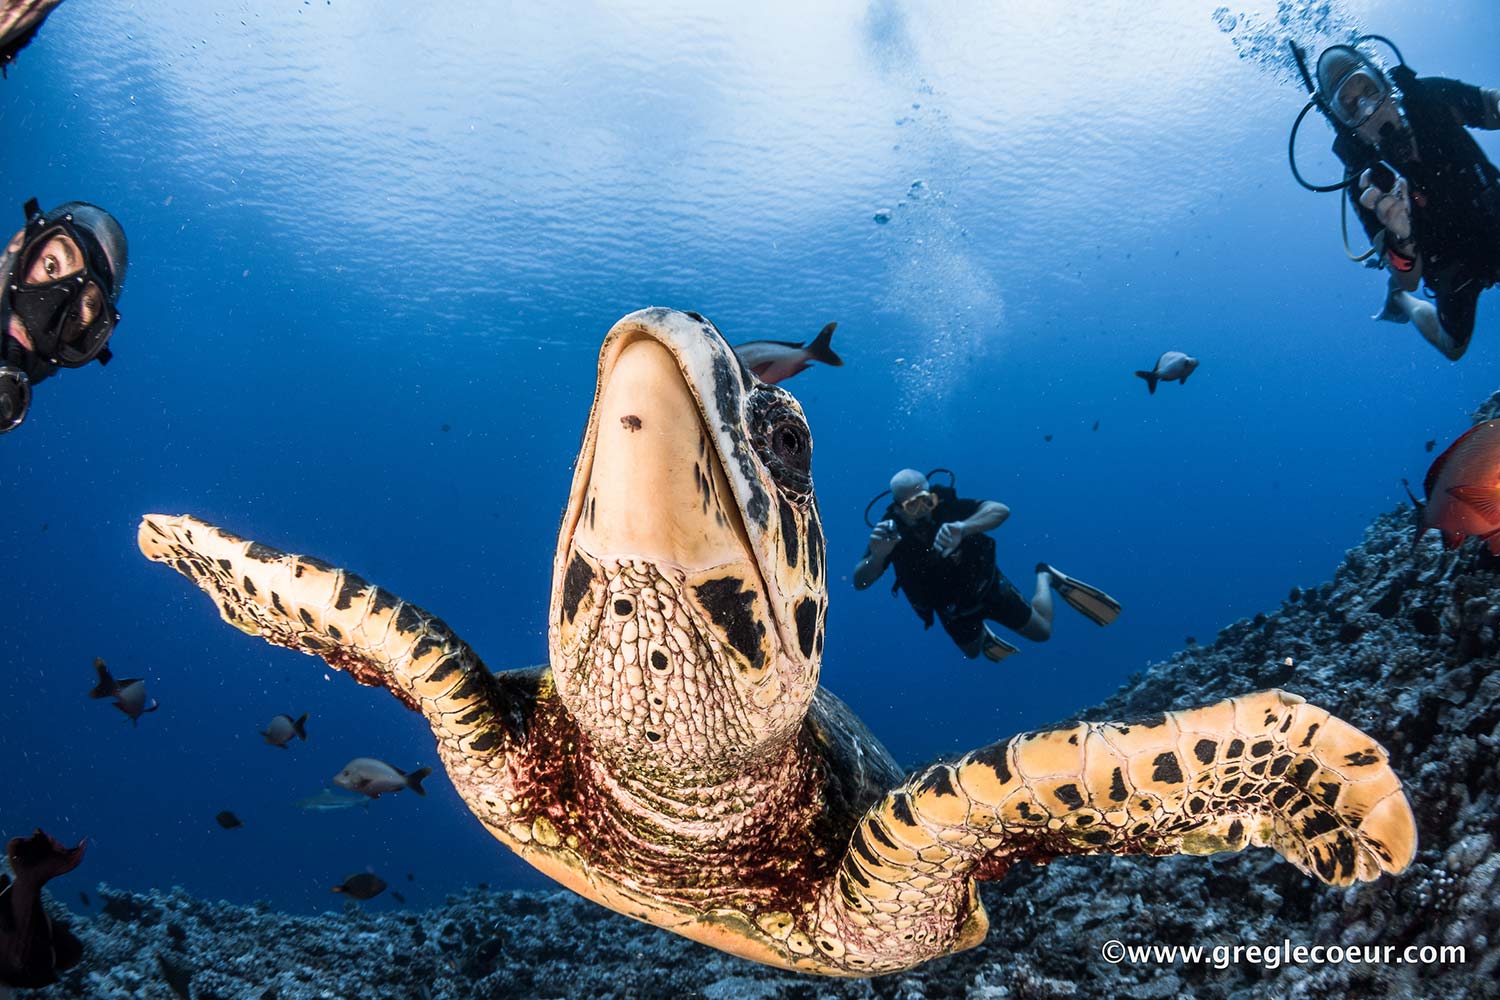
1463 489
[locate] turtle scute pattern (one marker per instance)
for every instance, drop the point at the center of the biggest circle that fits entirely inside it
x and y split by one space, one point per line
305 604
1264 769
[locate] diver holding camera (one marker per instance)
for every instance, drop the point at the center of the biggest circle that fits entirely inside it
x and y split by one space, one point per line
1426 194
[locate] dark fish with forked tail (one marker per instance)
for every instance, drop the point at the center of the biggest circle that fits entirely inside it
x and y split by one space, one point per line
129 694
778 360
1173 366
282 728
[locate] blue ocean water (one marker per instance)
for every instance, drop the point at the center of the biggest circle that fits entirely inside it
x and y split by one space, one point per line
374 250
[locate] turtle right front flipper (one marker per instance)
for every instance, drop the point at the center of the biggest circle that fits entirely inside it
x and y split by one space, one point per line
307 605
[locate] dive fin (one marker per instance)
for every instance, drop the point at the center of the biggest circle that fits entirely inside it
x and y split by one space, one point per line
1394 310
1484 499
995 648
819 349
1091 602
1151 380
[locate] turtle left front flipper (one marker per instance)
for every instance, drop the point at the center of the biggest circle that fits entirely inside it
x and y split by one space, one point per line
1264 769
305 604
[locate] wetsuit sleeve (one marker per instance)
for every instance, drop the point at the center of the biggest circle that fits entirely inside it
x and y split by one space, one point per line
956 509
1470 105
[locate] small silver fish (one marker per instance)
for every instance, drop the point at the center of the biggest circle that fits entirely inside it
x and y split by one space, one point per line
283 727
1173 366
778 360
329 800
129 694
372 777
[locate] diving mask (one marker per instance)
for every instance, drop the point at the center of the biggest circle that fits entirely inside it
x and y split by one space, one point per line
919 504
1359 97
62 290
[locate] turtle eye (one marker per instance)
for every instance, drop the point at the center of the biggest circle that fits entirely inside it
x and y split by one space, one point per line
783 441
791 445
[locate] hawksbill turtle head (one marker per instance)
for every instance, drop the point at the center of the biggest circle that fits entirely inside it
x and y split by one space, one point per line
689 589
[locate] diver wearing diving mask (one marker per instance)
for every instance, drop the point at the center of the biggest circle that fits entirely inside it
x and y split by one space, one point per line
1425 192
60 278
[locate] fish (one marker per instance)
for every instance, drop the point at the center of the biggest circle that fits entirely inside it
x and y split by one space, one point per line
372 777
1046 437
1431 445
1463 490
33 947
361 886
282 728
83 898
178 976
1173 366
228 820
129 694
1096 425
327 800
778 360
397 896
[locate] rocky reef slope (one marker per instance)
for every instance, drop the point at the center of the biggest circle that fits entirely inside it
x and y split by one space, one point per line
1401 642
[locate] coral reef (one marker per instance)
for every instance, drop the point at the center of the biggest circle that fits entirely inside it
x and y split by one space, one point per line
1404 642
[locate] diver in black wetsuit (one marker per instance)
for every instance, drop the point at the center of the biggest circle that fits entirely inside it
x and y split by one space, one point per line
60 278
945 562
1437 217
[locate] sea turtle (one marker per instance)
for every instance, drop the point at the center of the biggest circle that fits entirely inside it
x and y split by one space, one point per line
678 761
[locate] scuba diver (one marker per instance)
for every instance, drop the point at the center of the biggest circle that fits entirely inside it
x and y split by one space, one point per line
60 277
945 562
1426 194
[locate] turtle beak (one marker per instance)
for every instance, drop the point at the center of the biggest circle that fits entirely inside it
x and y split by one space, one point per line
655 490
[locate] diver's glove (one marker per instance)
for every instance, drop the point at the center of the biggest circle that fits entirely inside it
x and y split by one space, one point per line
1392 208
883 539
949 537
15 398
